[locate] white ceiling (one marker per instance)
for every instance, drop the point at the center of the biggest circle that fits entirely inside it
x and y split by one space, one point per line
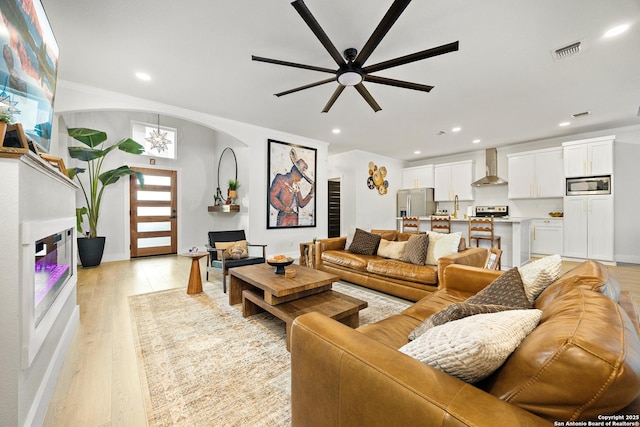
502 86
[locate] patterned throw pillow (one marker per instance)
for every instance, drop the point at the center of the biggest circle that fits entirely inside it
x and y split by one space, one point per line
364 243
393 250
539 274
505 290
237 251
229 245
455 311
474 347
441 244
416 249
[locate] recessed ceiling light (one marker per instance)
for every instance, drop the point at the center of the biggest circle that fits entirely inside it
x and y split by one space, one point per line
563 124
417 152
143 76
456 129
616 31
336 131
476 141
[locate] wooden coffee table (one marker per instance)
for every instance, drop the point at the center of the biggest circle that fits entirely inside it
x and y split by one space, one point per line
259 289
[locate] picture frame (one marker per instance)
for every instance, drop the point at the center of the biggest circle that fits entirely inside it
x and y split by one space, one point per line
15 137
56 162
291 174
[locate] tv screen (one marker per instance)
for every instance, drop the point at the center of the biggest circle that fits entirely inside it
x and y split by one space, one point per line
28 67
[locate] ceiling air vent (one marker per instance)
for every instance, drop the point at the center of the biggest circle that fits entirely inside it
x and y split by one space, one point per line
566 51
583 114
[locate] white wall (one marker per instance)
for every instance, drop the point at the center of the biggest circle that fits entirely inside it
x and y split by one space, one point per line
359 205
198 165
626 177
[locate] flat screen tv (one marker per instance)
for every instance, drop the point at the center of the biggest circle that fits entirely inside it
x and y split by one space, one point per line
28 67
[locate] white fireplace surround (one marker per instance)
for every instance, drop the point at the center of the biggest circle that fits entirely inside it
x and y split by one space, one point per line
33 336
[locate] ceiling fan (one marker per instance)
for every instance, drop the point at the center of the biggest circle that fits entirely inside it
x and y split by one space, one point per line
352 72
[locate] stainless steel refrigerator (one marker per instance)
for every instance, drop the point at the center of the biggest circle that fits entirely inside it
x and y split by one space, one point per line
415 202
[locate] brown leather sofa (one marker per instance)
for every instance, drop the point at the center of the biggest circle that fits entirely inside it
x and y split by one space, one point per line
582 362
394 277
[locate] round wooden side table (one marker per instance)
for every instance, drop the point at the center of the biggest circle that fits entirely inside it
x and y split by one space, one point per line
195 279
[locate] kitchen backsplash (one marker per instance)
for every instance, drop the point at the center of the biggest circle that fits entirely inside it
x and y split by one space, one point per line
497 195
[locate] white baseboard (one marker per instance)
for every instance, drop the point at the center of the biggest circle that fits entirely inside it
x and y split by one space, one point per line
629 259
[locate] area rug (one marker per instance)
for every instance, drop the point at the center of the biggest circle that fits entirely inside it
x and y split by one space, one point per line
204 364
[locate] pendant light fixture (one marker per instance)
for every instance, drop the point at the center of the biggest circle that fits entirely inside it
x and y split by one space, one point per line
158 139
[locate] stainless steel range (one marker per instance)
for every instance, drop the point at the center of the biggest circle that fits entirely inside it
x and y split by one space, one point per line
495 211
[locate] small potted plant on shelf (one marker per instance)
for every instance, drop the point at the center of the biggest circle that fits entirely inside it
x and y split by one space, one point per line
232 193
6 118
91 246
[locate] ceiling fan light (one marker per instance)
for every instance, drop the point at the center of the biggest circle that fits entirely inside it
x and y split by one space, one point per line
350 78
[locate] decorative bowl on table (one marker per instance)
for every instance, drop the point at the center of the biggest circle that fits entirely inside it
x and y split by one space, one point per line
279 262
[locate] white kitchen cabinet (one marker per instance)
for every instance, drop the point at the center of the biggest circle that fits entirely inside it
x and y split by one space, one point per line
453 179
536 174
418 177
589 157
588 227
546 236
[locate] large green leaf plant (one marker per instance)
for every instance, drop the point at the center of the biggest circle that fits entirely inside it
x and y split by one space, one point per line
94 154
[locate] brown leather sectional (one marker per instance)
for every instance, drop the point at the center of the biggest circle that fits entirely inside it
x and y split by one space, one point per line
582 362
390 276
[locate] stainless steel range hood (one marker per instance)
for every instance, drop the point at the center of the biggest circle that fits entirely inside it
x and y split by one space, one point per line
491 178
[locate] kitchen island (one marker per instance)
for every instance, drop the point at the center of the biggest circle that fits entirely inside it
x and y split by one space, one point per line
514 231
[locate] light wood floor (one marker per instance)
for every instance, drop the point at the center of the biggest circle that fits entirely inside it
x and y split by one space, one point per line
99 384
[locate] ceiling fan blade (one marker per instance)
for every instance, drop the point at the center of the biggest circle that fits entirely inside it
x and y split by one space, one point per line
381 30
367 97
292 64
318 31
333 98
435 51
398 83
321 82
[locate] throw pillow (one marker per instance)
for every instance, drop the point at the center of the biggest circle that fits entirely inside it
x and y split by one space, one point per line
393 250
441 244
364 243
474 347
505 290
227 245
539 274
457 310
416 250
237 251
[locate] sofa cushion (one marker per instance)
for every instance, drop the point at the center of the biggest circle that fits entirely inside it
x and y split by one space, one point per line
590 275
507 290
416 249
455 311
347 259
474 347
402 270
364 243
242 244
441 244
539 274
387 234
580 362
393 250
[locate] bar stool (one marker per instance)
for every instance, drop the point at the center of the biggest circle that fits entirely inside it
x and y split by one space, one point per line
483 229
441 223
410 223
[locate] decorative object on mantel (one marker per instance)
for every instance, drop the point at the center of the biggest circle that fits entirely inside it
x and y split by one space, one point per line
14 137
91 247
376 179
56 162
228 205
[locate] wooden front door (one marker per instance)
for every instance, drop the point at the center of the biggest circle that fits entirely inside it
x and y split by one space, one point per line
153 214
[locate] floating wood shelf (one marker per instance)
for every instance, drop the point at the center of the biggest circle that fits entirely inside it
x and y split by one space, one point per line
225 208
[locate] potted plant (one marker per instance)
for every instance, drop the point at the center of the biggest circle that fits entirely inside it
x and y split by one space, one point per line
233 188
91 246
6 118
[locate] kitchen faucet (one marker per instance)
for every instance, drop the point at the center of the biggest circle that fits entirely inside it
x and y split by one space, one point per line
456 206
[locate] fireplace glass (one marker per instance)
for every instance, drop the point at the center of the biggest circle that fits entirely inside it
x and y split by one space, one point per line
54 255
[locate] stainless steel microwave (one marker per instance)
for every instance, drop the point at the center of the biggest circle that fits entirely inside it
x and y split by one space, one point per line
589 185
